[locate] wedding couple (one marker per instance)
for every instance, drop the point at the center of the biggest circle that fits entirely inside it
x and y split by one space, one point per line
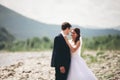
66 59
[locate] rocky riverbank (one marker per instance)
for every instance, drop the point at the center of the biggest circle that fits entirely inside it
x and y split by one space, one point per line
36 65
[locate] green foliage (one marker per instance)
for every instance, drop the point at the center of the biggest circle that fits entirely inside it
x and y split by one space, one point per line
99 53
8 42
33 44
92 59
5 38
110 42
2 45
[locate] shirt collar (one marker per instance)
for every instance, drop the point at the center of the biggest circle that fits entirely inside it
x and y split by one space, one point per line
63 33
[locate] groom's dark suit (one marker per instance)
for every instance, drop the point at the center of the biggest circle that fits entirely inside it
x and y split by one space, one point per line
60 57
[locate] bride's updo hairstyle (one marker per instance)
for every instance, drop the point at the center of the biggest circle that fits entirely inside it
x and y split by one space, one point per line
77 31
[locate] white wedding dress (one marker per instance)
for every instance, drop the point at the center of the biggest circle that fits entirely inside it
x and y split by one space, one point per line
79 69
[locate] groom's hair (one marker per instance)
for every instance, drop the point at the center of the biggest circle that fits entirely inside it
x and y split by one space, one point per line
65 25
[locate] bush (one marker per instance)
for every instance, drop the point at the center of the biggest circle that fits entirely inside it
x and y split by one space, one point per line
110 42
32 44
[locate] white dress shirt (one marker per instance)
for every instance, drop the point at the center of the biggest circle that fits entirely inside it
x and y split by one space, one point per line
63 34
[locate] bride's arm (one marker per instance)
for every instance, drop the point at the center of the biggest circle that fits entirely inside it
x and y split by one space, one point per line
73 49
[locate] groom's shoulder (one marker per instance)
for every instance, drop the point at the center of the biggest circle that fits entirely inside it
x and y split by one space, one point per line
58 36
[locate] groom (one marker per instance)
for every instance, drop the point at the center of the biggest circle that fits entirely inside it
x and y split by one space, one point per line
61 54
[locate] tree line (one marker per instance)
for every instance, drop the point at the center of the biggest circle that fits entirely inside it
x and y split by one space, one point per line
8 42
108 42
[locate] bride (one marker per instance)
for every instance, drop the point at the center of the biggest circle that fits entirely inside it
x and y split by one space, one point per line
78 68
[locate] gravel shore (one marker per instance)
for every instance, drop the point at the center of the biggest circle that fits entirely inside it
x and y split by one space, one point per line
26 66
36 66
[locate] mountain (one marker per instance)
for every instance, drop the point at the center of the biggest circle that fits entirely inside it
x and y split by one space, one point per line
5 36
117 28
23 27
99 32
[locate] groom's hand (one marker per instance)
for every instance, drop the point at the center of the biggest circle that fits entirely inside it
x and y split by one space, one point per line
62 69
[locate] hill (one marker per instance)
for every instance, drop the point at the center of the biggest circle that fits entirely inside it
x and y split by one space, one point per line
23 27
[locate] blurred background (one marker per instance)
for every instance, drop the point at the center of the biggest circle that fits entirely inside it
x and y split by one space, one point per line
31 25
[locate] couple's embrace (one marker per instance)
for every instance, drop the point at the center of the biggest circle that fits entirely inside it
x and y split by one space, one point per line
66 59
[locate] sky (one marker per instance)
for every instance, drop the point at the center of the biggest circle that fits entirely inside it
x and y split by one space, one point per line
87 13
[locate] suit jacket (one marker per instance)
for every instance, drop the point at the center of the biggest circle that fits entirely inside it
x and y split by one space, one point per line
61 53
